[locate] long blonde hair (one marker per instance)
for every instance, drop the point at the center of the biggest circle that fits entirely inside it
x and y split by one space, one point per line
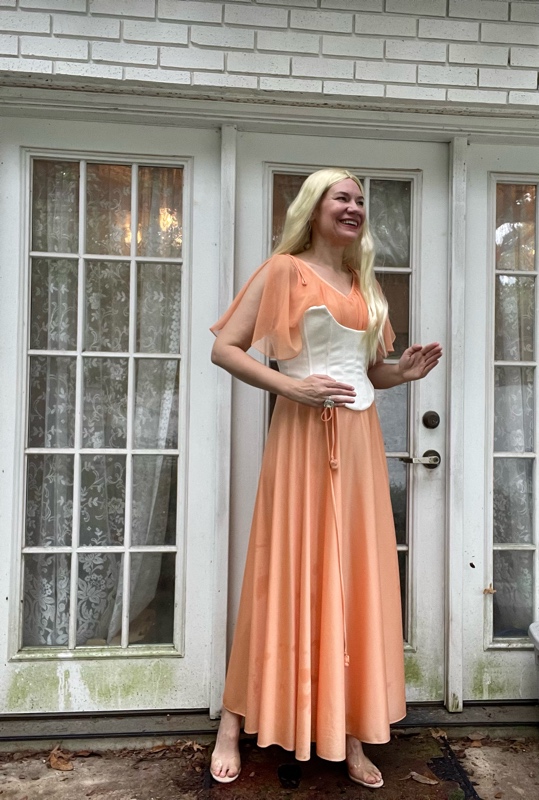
360 255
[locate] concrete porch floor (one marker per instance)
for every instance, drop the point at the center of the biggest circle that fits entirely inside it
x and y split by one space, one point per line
490 769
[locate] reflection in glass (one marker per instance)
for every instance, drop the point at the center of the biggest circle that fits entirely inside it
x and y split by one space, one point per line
98 596
397 291
515 318
156 403
158 308
285 189
53 297
102 500
389 218
513 409
515 226
51 413
46 615
104 422
513 600
160 212
398 476
107 306
403 575
152 617
55 206
108 212
392 406
513 500
155 486
49 500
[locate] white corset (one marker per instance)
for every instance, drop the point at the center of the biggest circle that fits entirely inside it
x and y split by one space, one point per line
331 349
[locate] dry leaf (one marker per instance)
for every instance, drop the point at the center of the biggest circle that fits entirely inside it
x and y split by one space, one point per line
438 734
83 753
415 776
59 760
498 794
158 748
476 736
489 590
477 743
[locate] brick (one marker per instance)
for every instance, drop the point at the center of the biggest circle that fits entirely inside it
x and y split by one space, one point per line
232 81
476 96
107 71
457 76
524 98
479 9
125 53
356 46
448 29
256 62
189 58
434 8
525 12
256 16
415 92
53 5
517 34
214 36
306 3
524 57
478 54
29 65
158 32
9 45
326 21
407 50
190 11
354 5
356 88
508 78
174 76
129 8
385 26
48 47
10 3
293 41
25 22
290 85
86 27
385 71
322 68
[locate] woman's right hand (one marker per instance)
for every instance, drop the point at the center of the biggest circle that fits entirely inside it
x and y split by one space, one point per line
315 389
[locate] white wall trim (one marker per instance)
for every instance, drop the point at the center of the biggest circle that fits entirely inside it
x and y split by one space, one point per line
223 427
455 426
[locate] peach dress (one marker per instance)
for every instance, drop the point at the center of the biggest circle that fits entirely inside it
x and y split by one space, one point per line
317 649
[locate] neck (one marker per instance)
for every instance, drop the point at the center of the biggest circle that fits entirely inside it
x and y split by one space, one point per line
325 254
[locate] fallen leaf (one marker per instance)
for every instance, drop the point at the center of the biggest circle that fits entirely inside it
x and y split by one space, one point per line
60 760
159 748
251 774
477 743
477 736
497 795
84 753
438 734
415 776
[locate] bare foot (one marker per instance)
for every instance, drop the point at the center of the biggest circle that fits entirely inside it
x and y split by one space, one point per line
225 761
360 768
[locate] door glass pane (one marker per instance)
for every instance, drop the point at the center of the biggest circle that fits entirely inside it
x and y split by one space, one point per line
104 419
155 483
160 212
515 318
398 479
389 217
513 409
515 226
151 614
513 600
513 500
285 189
158 308
51 412
102 500
53 316
107 306
403 574
55 206
46 599
392 405
156 403
49 500
99 598
108 212
397 291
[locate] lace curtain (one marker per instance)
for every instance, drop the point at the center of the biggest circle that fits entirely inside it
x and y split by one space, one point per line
105 409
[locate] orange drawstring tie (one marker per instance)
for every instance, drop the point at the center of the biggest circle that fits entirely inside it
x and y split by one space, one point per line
329 417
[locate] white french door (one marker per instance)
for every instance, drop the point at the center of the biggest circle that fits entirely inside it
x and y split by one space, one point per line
109 264
406 187
501 559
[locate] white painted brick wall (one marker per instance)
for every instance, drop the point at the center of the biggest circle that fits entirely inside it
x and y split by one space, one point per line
471 52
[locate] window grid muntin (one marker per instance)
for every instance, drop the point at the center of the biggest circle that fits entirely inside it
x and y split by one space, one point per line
491 641
80 354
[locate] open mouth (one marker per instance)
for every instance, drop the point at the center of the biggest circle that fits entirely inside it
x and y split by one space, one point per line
351 223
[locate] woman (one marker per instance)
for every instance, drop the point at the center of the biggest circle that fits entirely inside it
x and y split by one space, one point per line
317 652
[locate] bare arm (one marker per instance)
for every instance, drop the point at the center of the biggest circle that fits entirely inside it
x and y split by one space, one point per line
415 363
229 352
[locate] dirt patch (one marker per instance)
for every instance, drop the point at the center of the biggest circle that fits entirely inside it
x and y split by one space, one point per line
501 769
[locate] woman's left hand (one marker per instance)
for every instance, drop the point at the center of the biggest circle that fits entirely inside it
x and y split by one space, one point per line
418 360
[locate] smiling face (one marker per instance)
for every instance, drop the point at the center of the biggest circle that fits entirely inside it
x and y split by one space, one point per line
340 214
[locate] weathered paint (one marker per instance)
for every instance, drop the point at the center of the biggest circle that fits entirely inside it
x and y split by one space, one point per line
430 682
491 682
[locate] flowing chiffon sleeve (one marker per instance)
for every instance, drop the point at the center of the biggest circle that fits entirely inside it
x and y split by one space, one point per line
285 298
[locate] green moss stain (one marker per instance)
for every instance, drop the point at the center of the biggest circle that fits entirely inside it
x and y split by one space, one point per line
121 683
489 684
412 672
35 685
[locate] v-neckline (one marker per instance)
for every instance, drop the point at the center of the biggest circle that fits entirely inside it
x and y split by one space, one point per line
346 296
